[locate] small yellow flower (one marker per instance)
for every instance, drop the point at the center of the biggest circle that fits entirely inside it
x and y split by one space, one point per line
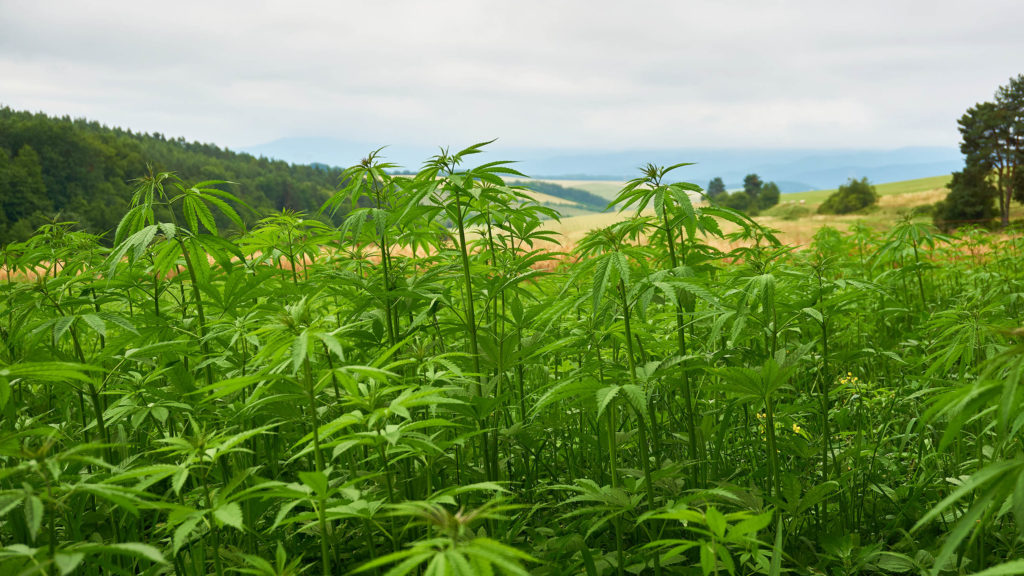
796 429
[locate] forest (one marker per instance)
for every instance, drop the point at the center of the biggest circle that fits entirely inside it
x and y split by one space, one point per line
438 385
83 171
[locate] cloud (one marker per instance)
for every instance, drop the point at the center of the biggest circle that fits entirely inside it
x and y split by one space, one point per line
592 74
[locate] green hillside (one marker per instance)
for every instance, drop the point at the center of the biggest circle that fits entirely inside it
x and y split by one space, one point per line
83 171
886 189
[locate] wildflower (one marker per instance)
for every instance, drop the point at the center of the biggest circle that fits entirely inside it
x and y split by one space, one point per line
796 429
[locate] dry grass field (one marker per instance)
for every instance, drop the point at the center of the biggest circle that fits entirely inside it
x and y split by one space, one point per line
896 199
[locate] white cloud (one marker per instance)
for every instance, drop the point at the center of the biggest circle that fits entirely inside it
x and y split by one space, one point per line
593 74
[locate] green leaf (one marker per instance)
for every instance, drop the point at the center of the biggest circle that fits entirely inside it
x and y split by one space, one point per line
33 516
67 562
604 397
716 522
775 568
1004 569
814 313
317 481
135 549
300 349
751 526
637 398
707 558
229 514
50 371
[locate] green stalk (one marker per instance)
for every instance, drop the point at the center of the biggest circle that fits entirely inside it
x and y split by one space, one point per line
688 403
325 558
773 453
645 459
474 347
214 530
204 347
917 271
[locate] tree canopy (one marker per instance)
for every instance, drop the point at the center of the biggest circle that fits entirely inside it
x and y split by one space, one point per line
756 194
971 200
992 141
83 170
850 197
716 187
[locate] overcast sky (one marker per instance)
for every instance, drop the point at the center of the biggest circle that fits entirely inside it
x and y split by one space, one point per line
581 74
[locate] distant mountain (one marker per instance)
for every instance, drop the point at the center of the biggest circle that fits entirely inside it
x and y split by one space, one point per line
794 170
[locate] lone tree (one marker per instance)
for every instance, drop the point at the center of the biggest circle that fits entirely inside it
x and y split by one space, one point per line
850 197
716 188
992 141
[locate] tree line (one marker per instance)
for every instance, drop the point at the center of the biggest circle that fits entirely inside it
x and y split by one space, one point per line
756 195
83 171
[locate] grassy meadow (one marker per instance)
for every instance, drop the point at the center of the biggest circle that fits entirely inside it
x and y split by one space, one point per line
428 389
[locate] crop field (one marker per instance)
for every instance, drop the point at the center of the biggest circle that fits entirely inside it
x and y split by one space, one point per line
430 388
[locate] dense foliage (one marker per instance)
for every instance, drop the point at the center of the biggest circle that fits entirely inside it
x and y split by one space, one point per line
971 200
756 195
992 141
82 170
850 197
429 389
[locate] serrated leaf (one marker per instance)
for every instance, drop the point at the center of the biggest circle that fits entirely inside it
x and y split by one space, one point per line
229 514
604 397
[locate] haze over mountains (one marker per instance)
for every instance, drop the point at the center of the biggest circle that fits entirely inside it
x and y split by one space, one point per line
794 170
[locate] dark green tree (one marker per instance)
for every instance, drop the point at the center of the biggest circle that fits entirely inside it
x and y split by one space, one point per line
850 197
752 185
1010 99
716 188
25 193
739 201
992 141
769 196
971 199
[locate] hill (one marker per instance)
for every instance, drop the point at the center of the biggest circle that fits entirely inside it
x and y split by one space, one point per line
794 218
558 195
83 170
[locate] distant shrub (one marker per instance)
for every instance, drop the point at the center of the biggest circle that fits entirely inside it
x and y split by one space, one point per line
850 197
790 211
